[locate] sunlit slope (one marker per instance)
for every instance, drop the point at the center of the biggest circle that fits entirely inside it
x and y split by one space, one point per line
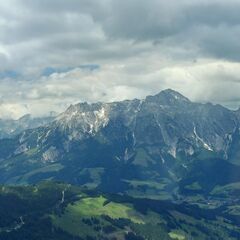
60 211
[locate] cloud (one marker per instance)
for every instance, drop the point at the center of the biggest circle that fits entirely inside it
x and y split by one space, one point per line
53 53
118 82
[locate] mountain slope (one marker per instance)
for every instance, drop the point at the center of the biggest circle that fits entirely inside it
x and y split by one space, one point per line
144 147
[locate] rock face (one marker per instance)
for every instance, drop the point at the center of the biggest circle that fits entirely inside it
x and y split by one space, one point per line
203 123
168 120
83 119
158 138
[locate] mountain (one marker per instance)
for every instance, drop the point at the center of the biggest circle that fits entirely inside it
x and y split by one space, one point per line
60 211
162 147
10 128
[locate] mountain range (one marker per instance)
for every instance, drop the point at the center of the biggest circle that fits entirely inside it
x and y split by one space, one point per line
10 127
163 147
162 167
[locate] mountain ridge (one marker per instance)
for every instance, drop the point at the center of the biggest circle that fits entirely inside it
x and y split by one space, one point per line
110 146
10 127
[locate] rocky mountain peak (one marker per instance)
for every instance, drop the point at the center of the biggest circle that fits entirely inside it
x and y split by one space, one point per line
83 118
168 97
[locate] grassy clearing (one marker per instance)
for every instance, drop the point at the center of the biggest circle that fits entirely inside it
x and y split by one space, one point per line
226 189
51 168
71 220
193 186
176 235
95 175
31 152
97 207
234 210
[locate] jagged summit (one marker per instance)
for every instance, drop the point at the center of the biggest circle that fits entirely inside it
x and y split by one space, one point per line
164 97
172 93
85 106
90 117
168 97
83 118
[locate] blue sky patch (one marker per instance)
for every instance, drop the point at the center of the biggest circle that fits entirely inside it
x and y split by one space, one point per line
9 74
50 70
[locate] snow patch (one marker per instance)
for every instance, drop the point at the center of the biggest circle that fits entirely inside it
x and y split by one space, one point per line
173 151
205 145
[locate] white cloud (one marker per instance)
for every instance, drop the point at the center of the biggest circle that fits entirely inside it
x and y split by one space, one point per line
141 47
204 81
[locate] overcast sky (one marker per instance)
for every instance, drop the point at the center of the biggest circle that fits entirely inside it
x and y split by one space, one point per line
57 52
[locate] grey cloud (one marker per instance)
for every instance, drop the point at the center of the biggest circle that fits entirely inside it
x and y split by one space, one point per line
211 26
50 28
220 42
142 47
156 19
